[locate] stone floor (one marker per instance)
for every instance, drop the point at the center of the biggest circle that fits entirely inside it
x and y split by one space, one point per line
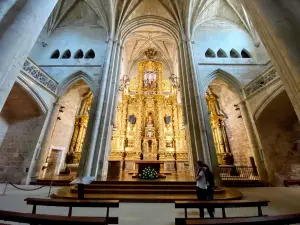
283 201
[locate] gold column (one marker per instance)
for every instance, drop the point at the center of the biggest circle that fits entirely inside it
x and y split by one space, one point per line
139 124
218 129
81 122
161 127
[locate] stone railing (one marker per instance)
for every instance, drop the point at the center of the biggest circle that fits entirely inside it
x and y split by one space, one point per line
37 74
261 81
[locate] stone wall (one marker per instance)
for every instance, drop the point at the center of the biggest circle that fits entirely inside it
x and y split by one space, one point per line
18 147
235 128
279 131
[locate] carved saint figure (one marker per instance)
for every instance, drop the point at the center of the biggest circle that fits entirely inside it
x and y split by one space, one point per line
150 119
132 119
167 119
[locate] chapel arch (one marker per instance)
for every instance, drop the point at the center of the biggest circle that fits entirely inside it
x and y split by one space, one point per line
22 119
279 131
229 132
148 122
69 130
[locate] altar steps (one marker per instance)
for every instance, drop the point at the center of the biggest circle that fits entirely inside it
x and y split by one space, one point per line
140 192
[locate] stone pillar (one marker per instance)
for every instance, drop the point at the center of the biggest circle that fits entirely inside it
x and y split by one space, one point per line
278 25
42 155
91 139
104 136
194 118
250 129
19 30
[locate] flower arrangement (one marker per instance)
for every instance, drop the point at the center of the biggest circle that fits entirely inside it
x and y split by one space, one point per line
148 174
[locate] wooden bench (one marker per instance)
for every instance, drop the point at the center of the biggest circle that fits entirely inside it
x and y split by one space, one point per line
49 219
270 220
76 203
291 182
223 204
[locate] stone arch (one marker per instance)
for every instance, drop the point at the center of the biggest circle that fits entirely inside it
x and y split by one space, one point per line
227 78
149 20
80 75
267 100
35 96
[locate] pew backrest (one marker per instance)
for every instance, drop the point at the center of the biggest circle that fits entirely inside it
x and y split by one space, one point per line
49 219
76 203
270 220
223 204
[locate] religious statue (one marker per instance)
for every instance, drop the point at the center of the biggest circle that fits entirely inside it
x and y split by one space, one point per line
149 134
167 120
132 119
150 120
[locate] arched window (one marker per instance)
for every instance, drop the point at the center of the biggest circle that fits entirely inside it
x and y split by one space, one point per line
210 53
90 54
66 55
79 54
55 54
234 54
221 53
245 54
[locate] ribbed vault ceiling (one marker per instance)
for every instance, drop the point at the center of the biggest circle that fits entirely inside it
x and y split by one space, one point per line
113 15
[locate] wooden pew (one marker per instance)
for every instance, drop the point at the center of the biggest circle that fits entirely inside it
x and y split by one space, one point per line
291 182
270 220
223 204
76 203
49 219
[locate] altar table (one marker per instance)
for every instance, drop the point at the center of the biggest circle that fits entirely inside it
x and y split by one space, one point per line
144 164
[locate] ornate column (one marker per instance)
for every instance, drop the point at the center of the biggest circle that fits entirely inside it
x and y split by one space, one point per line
19 30
139 122
124 117
277 23
250 129
176 124
160 119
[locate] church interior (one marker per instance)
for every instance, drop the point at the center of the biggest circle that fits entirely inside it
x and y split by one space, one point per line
123 103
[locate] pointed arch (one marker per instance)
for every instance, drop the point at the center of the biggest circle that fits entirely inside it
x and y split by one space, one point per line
210 53
67 54
233 83
246 54
70 80
55 54
267 100
221 53
234 54
78 54
90 54
34 94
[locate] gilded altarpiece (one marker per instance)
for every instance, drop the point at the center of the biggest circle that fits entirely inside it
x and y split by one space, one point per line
149 122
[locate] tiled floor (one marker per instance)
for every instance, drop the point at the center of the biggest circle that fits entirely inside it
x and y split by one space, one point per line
283 201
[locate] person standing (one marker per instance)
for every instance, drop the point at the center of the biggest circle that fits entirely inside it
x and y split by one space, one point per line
201 187
210 182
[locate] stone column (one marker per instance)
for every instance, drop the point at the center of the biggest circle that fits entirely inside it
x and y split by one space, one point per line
104 136
250 129
194 117
278 25
42 155
19 30
91 139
